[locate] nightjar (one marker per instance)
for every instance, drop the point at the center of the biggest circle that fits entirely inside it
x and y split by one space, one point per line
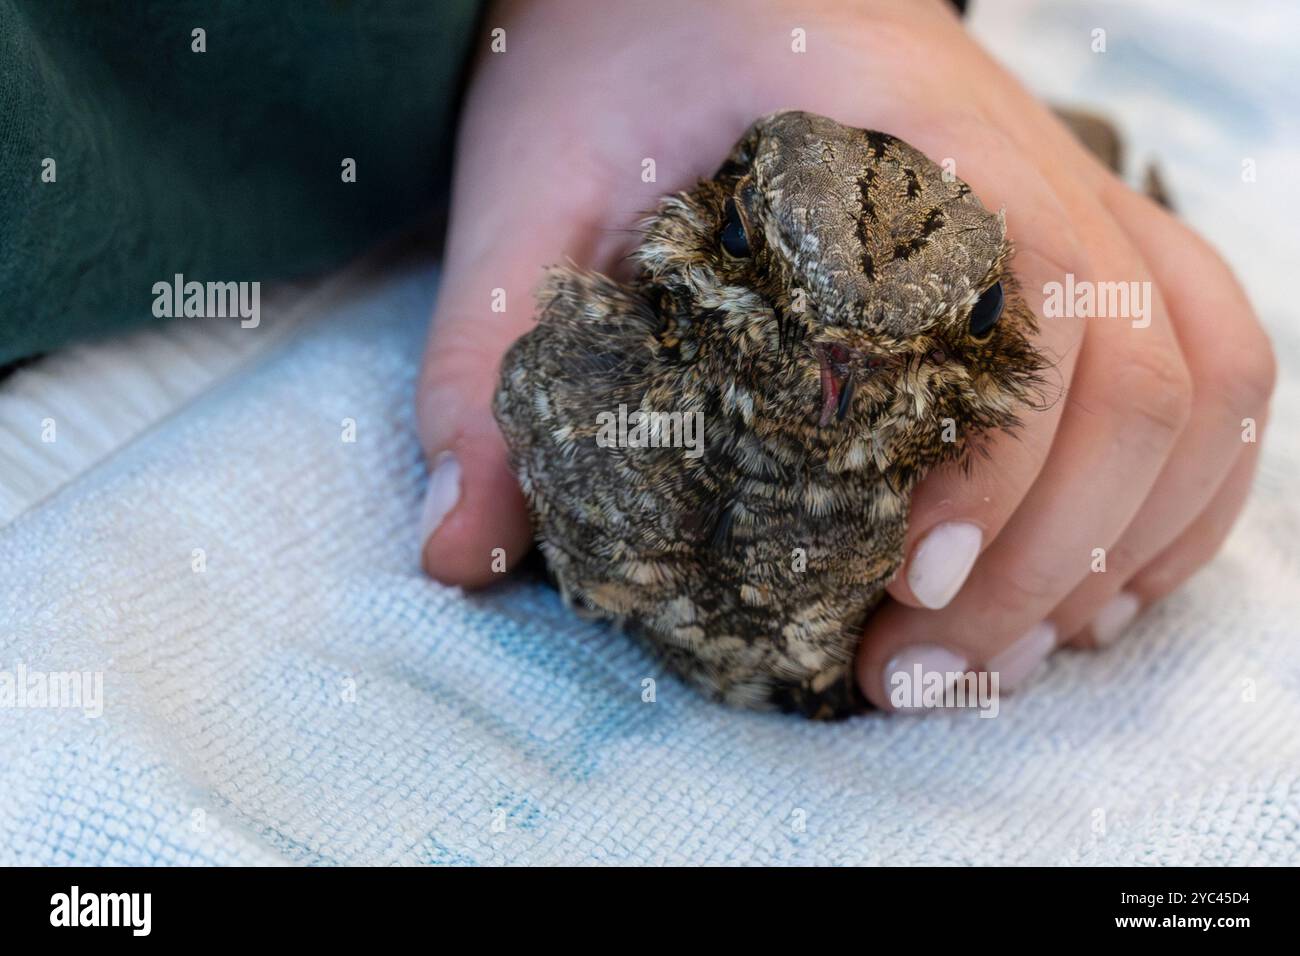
839 316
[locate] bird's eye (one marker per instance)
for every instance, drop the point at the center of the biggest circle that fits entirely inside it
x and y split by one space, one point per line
734 239
988 308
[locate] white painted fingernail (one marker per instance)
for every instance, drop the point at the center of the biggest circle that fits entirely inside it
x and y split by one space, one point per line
906 675
1114 618
1022 660
441 495
942 561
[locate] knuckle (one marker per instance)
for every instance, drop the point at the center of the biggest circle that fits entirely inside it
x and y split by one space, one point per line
1027 587
457 363
454 389
1123 557
1161 579
1152 390
1245 379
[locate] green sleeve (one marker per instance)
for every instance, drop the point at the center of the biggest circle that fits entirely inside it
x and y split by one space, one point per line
223 165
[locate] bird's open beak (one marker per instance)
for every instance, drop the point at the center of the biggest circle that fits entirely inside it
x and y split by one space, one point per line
841 367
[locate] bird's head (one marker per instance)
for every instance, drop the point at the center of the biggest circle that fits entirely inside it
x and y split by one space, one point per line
845 296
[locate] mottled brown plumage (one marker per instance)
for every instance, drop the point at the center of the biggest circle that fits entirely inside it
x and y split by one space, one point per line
814 302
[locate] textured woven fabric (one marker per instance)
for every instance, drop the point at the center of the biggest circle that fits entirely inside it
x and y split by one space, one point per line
310 697
61 414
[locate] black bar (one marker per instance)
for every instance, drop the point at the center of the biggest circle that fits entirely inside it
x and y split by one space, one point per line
944 906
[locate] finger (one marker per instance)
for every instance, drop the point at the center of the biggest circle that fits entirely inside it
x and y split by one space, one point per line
1186 554
955 515
955 512
474 520
1201 540
1233 373
1129 401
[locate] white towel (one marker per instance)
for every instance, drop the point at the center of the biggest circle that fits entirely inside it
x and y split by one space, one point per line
281 683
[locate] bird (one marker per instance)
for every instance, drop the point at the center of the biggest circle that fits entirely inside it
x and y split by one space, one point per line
718 453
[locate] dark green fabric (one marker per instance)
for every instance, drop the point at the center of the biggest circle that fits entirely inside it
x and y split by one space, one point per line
223 165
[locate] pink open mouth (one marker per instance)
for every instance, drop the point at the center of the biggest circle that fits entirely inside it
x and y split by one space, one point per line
840 369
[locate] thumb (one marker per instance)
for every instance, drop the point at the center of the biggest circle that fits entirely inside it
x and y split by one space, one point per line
474 521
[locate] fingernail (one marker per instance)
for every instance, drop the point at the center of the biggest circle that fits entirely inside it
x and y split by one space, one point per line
441 495
942 561
1021 661
1114 618
905 674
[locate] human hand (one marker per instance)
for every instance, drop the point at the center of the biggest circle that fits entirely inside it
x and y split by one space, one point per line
1142 456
